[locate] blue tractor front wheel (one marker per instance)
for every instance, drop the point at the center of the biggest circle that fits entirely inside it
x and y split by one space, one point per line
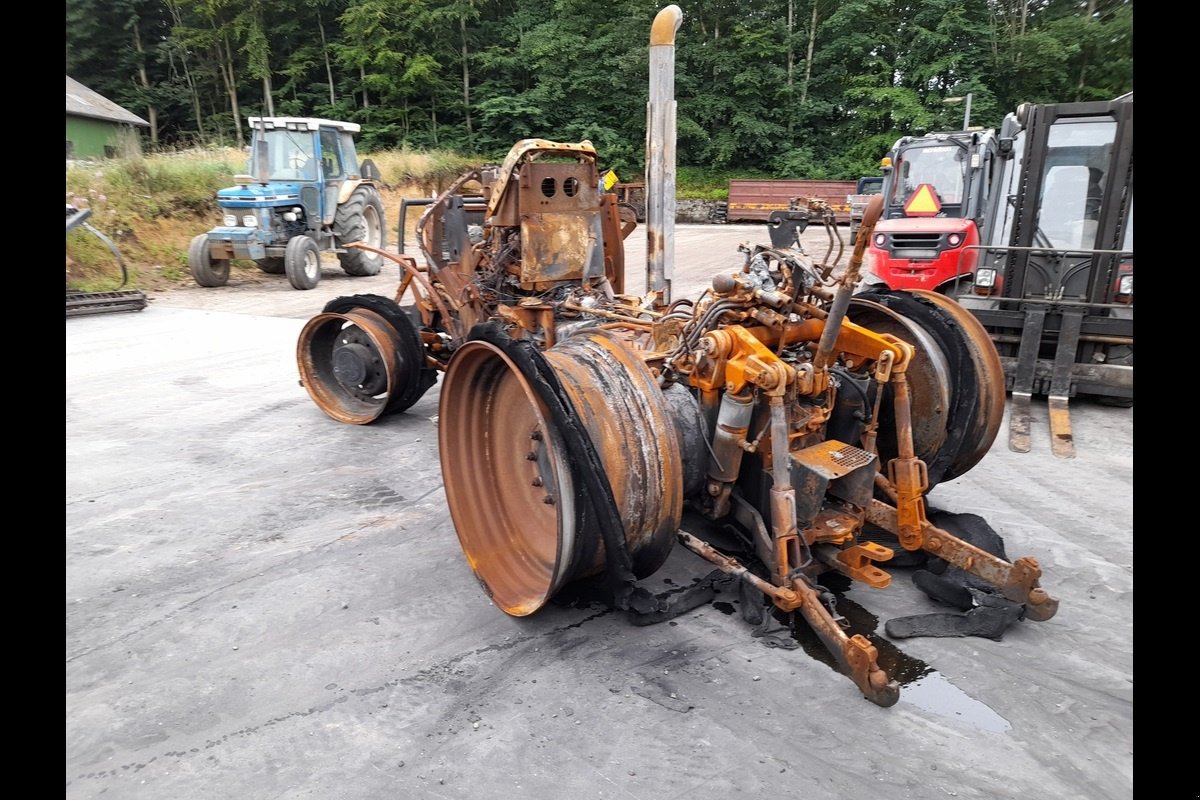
206 270
302 262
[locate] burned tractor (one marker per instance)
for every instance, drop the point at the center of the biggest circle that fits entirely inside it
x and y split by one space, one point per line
548 257
578 424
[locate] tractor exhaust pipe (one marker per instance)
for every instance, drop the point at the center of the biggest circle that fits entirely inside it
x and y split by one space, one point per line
262 155
660 156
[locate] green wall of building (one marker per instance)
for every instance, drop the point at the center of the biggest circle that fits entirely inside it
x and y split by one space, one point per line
87 138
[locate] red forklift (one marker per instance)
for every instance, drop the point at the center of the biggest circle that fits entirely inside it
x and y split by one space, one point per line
1031 229
936 191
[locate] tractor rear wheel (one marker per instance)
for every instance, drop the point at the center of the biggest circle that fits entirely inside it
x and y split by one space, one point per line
956 381
360 219
302 263
549 458
206 270
362 359
272 265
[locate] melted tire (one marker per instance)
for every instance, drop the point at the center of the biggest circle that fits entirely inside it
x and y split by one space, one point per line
502 397
414 377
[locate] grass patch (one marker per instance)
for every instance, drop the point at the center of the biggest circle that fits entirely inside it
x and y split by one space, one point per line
426 170
152 206
181 184
91 266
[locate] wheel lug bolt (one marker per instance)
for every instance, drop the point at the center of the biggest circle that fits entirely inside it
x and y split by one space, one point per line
531 456
548 500
536 436
537 481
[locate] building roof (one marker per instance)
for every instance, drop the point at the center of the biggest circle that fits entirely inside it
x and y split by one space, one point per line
83 102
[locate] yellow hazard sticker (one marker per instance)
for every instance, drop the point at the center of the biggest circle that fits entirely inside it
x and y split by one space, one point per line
923 203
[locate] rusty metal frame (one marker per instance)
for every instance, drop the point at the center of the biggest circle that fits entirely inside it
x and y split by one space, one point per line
561 362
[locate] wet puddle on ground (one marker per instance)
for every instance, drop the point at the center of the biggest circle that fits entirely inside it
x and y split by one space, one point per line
920 684
935 694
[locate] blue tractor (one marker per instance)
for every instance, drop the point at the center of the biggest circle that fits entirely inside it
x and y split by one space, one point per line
306 194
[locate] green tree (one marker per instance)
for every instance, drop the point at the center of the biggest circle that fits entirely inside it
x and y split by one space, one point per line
810 88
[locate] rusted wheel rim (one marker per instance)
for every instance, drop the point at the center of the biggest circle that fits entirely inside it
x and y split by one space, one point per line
507 479
349 364
969 382
928 375
631 425
989 374
512 480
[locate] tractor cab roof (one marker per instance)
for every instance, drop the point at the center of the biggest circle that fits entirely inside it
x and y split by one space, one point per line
303 123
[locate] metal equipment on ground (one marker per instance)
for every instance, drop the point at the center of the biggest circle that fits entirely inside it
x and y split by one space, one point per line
1053 279
81 303
937 199
577 424
867 187
1031 228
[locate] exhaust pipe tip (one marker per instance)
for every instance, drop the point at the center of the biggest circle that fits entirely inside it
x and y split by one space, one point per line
666 25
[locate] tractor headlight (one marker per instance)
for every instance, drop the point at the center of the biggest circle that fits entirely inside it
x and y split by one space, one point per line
880 239
250 221
985 277
954 239
289 216
230 220
1125 285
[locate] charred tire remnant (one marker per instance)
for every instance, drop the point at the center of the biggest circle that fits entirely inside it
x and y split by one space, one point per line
985 612
539 495
416 377
989 379
360 219
634 430
361 359
954 379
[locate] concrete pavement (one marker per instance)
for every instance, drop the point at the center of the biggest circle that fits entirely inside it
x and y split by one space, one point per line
264 603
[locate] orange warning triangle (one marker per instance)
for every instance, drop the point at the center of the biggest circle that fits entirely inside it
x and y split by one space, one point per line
923 203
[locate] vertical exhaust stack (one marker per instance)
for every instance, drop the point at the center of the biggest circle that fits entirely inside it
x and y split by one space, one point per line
660 155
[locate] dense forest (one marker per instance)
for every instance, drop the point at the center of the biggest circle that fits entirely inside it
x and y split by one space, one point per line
812 88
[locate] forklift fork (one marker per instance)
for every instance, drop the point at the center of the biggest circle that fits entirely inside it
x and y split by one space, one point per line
1062 442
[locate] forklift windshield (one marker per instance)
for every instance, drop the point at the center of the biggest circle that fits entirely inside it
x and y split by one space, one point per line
942 165
1078 153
